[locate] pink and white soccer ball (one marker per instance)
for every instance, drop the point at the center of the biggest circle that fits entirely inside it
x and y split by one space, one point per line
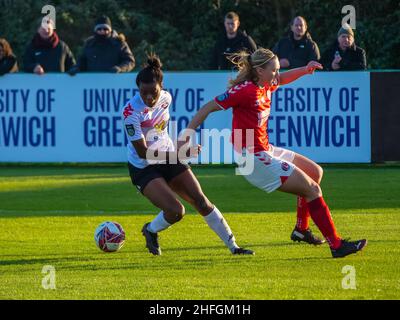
109 236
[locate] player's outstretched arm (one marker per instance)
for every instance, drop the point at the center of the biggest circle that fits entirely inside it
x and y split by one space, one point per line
294 74
203 113
198 119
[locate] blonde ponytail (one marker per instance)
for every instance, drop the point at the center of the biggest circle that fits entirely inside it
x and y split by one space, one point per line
247 63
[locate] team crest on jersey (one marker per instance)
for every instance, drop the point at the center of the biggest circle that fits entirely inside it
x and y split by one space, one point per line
223 97
130 129
164 105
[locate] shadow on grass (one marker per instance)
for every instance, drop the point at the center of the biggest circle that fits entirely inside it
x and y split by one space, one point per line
144 262
43 261
227 190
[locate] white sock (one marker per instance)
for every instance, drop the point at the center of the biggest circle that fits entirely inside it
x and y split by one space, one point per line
158 224
217 222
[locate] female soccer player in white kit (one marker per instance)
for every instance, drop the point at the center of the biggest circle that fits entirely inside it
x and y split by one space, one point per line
154 166
249 96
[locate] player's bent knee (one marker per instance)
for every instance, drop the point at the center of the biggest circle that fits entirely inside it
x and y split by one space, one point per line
175 211
320 174
315 191
179 212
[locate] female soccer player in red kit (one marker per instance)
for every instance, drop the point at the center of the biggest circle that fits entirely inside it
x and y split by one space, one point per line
249 96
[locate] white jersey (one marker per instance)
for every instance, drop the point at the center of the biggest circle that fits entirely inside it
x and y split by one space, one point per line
140 122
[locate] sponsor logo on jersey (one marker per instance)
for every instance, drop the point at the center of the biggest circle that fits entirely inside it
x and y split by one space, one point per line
161 126
130 129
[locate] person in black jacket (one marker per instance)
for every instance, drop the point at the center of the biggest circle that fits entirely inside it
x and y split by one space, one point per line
344 55
8 61
233 40
47 53
298 48
105 51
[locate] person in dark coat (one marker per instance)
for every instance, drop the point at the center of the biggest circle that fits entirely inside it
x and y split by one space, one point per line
231 41
8 61
298 48
46 52
105 51
344 55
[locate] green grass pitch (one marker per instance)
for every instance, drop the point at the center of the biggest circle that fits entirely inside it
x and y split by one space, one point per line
48 216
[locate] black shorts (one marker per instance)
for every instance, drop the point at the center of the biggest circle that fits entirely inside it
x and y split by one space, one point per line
141 177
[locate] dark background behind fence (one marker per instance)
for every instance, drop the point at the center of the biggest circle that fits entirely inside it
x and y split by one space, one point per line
183 32
385 116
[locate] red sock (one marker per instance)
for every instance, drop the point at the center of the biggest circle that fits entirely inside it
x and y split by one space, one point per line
321 216
303 214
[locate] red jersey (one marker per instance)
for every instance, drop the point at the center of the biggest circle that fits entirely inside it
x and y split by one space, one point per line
251 106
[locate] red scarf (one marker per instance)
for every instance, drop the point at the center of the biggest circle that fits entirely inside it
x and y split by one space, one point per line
50 43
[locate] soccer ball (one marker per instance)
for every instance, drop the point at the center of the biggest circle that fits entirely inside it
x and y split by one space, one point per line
109 236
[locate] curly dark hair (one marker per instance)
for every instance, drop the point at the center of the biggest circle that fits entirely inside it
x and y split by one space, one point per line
151 71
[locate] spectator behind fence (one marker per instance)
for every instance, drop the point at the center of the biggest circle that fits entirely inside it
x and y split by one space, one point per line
344 55
46 52
105 51
231 41
298 48
8 61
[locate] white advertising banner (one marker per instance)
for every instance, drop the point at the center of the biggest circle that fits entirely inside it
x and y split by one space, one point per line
59 118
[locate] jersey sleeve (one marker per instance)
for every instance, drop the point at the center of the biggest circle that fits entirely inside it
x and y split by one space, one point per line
229 99
168 98
132 127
